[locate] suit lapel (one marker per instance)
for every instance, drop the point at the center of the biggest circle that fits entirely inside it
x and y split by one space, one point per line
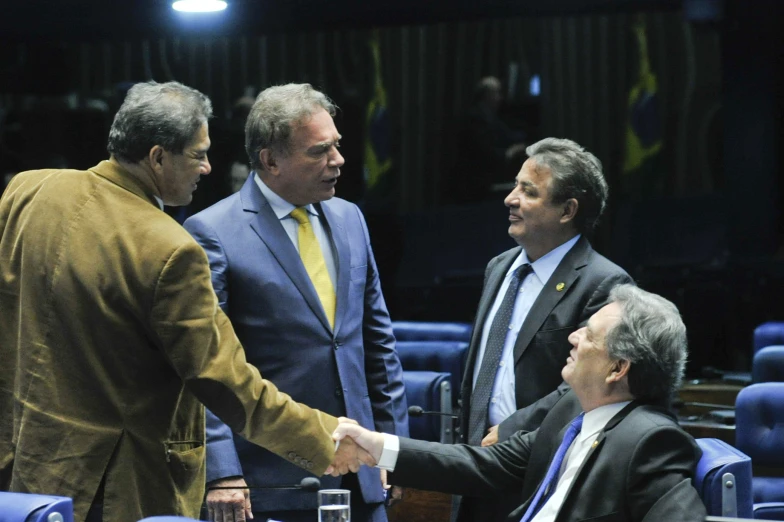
567 272
267 227
342 259
585 468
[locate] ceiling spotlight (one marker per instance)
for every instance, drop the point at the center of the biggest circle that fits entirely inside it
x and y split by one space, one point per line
199 6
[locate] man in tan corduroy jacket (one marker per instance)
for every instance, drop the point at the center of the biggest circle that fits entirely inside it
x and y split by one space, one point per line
110 332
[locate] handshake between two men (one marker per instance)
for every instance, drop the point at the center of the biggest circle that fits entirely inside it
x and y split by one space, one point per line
355 446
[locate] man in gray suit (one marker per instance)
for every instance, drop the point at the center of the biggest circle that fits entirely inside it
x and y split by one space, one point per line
607 451
534 296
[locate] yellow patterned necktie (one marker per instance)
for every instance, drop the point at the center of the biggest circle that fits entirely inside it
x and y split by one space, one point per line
313 259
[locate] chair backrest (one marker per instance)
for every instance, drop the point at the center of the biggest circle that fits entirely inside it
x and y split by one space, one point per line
723 479
759 423
431 331
768 365
29 507
436 356
431 391
768 334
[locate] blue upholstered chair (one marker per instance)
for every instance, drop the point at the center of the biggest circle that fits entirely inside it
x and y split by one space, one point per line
768 365
768 334
430 391
431 331
436 356
28 507
759 432
723 479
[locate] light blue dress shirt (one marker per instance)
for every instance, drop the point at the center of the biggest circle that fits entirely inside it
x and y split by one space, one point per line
282 210
503 402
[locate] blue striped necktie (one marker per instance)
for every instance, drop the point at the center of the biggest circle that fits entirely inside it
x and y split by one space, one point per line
551 479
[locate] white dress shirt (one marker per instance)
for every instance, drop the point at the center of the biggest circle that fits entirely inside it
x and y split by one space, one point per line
503 402
282 210
593 422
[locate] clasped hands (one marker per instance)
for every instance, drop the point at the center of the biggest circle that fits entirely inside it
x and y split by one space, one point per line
355 446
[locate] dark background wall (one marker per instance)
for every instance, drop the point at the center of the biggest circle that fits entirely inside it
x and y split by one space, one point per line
701 223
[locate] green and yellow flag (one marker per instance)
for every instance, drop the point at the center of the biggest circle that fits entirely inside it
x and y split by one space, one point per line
643 128
377 139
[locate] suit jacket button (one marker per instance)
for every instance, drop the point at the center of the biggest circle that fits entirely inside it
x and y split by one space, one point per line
292 455
335 345
309 465
298 460
338 392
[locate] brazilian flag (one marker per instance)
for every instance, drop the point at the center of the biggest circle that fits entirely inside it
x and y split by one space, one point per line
643 126
378 161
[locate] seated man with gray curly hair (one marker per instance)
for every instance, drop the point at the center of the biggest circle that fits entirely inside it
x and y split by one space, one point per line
608 450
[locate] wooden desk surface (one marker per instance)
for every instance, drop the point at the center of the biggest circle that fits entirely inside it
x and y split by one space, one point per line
421 506
702 429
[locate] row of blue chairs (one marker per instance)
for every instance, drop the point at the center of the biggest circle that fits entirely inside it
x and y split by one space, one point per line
759 420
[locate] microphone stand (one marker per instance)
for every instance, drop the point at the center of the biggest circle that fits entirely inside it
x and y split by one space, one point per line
453 431
307 484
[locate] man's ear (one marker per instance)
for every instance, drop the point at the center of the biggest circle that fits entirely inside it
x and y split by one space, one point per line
155 156
269 161
618 371
569 210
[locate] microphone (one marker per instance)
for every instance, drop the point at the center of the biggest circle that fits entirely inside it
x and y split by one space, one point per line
417 411
448 432
306 484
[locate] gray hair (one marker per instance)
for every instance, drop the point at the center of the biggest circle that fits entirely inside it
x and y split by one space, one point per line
166 114
652 337
576 173
276 112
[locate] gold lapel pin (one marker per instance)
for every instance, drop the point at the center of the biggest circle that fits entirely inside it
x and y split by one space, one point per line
560 287
595 443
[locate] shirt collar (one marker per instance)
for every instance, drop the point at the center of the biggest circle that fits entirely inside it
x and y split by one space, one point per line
596 419
545 265
159 200
280 206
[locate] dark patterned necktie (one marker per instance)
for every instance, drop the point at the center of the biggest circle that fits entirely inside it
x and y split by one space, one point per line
483 389
551 478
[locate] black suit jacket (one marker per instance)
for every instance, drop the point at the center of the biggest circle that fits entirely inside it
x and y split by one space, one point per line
639 469
542 345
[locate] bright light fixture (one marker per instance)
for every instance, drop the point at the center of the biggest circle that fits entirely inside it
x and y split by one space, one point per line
199 6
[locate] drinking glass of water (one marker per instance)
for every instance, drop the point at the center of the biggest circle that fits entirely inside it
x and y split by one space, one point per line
334 505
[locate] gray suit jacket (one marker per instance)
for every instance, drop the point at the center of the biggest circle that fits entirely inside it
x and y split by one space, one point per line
640 468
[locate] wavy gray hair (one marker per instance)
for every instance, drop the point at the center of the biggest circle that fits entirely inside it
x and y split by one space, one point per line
166 114
274 115
652 337
576 173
